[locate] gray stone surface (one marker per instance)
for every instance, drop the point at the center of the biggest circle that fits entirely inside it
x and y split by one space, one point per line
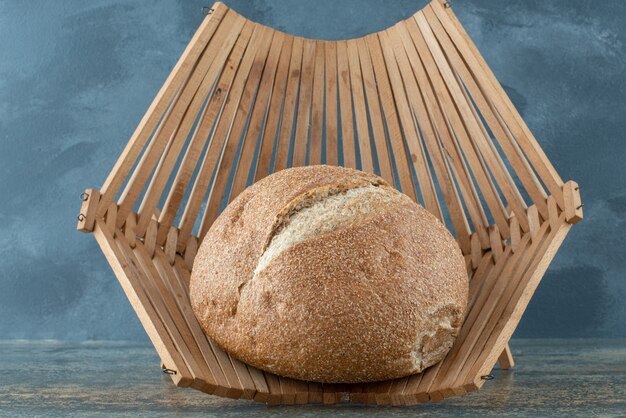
556 378
76 77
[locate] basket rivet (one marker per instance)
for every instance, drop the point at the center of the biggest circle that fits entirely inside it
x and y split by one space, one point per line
84 196
169 371
487 377
206 10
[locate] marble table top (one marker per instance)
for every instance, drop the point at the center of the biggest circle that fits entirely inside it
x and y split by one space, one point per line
95 378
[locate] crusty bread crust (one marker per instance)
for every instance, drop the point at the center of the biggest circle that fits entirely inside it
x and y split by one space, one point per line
377 299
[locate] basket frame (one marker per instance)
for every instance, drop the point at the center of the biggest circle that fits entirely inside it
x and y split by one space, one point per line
245 99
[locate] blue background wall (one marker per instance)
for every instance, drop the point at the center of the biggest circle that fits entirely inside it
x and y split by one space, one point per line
76 77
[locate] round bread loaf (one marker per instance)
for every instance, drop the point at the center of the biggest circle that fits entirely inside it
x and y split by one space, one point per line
329 274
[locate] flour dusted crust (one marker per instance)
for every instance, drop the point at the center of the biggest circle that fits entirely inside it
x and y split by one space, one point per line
329 274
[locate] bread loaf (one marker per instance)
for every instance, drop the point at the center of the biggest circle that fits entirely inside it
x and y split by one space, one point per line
329 274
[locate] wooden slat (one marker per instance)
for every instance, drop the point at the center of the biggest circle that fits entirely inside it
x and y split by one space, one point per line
150 236
317 106
496 242
237 129
476 250
506 359
302 392
357 393
360 111
573 207
429 79
304 104
483 269
128 275
345 106
222 106
170 244
270 131
190 252
473 138
316 392
396 391
179 292
331 122
516 234
220 47
374 110
168 313
388 105
553 212
513 307
184 322
288 390
494 289
129 229
88 210
397 64
257 119
111 217
501 101
163 136
273 384
427 110
174 81
381 391
227 52
222 359
329 395
533 221
492 117
289 107
411 392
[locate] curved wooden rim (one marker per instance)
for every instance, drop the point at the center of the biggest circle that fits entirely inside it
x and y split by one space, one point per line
303 38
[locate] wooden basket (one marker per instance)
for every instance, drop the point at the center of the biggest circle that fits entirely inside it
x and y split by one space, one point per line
415 103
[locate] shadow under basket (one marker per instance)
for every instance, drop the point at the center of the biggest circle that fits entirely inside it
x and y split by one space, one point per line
415 104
